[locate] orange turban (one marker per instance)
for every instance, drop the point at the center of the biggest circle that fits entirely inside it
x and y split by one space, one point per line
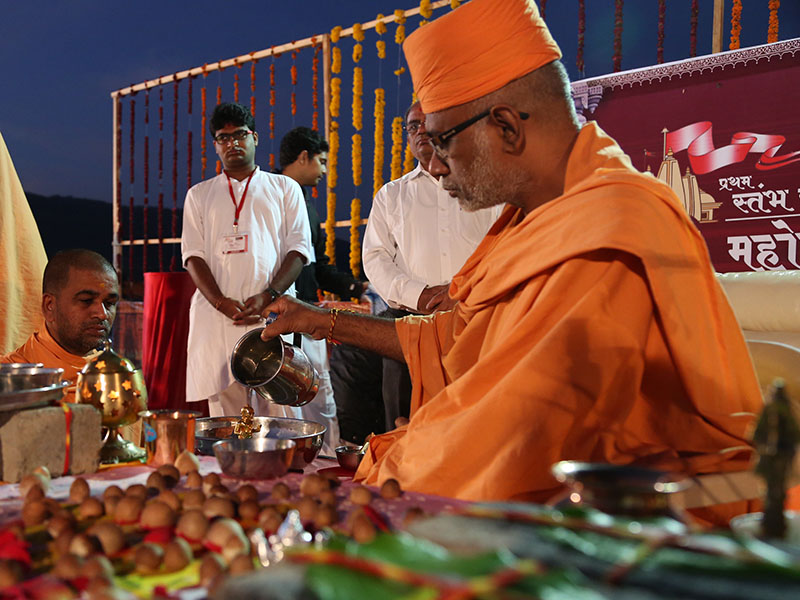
477 49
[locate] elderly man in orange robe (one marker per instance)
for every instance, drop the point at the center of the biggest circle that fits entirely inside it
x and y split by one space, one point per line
588 324
80 292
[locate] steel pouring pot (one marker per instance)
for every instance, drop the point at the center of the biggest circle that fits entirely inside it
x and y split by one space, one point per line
276 370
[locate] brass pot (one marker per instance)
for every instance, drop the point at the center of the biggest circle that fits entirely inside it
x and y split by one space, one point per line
116 388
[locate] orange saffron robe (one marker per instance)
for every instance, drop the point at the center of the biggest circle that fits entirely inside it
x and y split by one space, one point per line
590 329
42 348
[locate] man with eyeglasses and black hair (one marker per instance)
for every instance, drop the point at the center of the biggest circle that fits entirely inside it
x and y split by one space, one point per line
588 325
245 239
416 239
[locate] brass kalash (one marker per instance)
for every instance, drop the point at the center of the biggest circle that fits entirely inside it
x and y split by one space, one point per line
116 388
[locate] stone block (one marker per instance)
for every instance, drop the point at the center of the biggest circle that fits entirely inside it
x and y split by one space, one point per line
37 436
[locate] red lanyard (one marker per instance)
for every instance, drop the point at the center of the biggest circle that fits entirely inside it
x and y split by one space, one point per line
238 207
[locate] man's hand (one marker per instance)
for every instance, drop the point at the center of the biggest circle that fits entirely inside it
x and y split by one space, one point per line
295 316
250 312
230 308
435 298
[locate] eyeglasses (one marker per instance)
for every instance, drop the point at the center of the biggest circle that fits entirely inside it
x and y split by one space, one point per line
236 136
439 141
413 127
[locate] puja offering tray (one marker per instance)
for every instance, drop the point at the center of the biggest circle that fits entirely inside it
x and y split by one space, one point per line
307 435
25 386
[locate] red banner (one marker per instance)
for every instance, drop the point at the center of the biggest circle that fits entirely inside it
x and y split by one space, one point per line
723 132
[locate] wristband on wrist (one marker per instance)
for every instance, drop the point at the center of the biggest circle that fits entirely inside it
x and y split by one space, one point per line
329 337
273 292
219 302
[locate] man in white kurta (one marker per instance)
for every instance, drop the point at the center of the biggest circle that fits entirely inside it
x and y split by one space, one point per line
237 277
417 238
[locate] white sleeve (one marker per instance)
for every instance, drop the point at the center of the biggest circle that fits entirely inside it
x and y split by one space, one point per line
193 232
379 253
297 231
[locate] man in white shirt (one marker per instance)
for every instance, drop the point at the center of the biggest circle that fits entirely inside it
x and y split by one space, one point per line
245 239
416 239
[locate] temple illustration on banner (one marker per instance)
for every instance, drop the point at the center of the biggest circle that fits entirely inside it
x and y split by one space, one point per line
698 204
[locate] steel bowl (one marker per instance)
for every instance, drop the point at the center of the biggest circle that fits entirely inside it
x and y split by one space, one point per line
255 458
349 457
28 377
307 435
620 489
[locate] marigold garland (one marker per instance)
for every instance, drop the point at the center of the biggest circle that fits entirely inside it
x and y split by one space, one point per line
293 71
253 85
272 103
355 245
315 91
377 169
772 31
425 9
618 35
380 25
662 12
174 228
236 81
454 4
400 32
736 24
381 46
693 29
330 226
400 71
336 32
581 34
408 162
333 153
330 221
358 91
397 147
219 93
355 157
336 91
336 60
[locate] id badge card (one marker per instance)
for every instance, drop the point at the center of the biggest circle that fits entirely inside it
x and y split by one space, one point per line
235 243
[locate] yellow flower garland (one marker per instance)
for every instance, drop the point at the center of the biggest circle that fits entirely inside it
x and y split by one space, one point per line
397 146
400 33
377 170
336 91
772 31
333 148
358 92
355 245
356 158
408 163
425 9
736 24
454 4
333 154
380 26
330 221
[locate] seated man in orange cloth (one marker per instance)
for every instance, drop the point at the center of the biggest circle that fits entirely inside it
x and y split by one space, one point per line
80 292
588 324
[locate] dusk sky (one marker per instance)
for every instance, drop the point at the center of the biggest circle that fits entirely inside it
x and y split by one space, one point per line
61 60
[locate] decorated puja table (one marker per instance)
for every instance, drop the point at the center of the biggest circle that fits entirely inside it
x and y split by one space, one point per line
440 547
